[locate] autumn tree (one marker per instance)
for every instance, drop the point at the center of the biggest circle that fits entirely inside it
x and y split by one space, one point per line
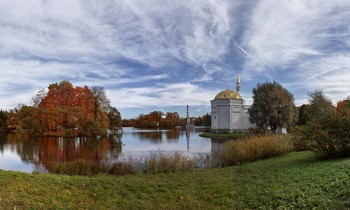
343 107
273 106
13 124
171 119
69 110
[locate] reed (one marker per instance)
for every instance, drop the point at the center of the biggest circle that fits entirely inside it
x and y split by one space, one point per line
255 148
156 163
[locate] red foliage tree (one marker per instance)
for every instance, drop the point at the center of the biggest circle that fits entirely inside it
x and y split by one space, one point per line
68 108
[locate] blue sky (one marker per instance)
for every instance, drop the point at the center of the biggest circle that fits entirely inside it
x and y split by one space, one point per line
164 54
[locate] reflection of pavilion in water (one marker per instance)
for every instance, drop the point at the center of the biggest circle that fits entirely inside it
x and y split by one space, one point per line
217 148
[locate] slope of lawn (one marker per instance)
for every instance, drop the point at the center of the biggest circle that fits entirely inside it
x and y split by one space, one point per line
295 180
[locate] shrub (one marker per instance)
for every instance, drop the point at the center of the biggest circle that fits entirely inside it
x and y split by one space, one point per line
255 148
299 142
329 136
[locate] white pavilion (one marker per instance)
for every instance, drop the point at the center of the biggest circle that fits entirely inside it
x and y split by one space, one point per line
229 113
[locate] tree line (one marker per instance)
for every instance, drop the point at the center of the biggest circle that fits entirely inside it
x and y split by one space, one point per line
64 110
157 119
317 126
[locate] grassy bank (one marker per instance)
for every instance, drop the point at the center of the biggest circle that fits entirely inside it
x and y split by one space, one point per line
224 136
295 180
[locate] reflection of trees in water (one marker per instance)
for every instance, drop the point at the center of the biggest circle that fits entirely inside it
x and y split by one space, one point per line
116 146
173 135
66 150
46 150
24 146
153 137
2 142
156 137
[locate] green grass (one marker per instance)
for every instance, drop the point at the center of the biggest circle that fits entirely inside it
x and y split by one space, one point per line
296 180
224 136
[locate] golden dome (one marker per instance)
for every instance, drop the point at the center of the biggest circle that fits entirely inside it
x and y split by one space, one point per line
228 94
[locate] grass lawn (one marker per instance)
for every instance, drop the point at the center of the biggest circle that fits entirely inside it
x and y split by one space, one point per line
295 180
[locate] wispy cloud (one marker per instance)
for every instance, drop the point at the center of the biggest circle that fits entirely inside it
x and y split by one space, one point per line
147 52
162 95
299 42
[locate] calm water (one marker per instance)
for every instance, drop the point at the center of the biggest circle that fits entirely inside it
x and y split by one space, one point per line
21 153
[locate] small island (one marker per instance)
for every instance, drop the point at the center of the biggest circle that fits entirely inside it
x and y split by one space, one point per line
64 111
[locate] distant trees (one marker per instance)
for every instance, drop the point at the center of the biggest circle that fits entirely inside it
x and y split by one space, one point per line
273 106
155 120
3 121
204 120
64 110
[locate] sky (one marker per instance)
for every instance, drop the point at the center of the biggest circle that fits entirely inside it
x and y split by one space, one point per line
161 55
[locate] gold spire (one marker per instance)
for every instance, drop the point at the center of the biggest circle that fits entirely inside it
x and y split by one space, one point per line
238 84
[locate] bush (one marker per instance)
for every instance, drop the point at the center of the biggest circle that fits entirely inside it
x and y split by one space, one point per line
299 142
255 148
329 136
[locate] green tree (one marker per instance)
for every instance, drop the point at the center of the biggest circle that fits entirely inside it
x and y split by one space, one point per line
115 119
207 120
30 119
273 106
101 102
3 121
303 117
320 105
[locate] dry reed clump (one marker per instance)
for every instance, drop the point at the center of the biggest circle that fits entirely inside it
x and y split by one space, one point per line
255 148
78 167
156 163
164 163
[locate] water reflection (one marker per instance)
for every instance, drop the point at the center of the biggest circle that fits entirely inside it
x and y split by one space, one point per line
24 153
156 136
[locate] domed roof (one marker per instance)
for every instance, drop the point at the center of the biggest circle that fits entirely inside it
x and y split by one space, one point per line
228 94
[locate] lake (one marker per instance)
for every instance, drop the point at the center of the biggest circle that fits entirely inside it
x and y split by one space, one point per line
23 153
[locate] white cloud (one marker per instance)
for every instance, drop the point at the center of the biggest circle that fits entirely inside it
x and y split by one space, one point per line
133 43
162 95
300 43
284 32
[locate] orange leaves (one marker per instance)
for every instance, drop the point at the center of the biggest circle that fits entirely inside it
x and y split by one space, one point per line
66 107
